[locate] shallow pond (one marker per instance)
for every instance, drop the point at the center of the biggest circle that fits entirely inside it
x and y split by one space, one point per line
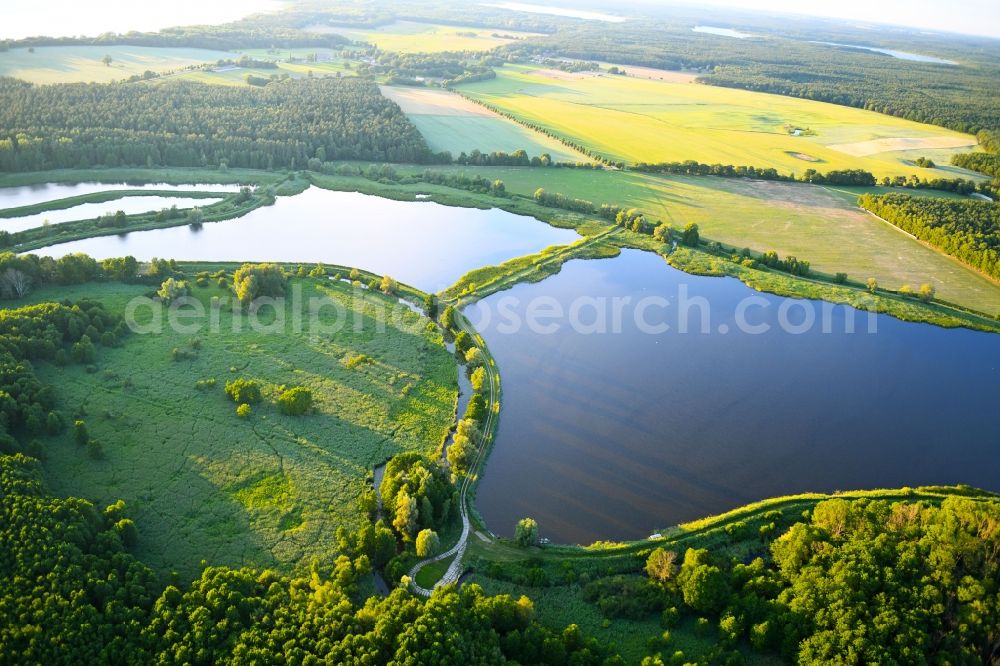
615 435
128 205
721 32
532 8
420 243
27 195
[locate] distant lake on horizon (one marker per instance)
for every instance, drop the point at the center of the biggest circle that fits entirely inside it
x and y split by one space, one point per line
722 32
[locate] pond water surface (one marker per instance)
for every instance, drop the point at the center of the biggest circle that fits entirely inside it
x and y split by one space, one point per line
721 32
420 243
611 436
128 205
27 195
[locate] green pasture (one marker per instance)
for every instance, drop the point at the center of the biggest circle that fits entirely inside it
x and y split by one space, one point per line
447 123
65 64
819 224
269 490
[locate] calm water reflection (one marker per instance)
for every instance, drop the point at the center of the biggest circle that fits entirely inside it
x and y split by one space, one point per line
420 243
128 205
613 436
26 195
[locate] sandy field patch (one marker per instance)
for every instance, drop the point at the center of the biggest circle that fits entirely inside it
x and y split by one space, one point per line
426 101
876 146
560 75
804 157
654 74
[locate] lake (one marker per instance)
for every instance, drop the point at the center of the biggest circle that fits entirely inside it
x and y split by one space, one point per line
722 32
420 243
902 55
128 205
531 8
27 195
616 435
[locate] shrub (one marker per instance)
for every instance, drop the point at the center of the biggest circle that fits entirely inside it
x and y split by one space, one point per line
94 449
253 280
526 532
243 411
80 433
243 391
295 401
478 379
171 289
428 543
83 352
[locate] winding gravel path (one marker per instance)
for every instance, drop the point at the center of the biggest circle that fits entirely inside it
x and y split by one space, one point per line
458 550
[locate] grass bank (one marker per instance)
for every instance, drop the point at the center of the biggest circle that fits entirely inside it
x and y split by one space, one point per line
268 490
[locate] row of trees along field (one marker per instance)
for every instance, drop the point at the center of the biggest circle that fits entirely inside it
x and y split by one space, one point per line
850 177
967 230
178 123
987 163
955 96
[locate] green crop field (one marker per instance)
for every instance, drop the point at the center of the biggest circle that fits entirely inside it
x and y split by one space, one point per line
63 64
269 490
637 119
452 123
819 224
413 37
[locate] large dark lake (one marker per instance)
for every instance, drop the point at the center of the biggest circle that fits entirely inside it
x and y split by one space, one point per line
614 435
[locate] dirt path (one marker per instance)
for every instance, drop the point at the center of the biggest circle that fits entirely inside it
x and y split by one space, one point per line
458 550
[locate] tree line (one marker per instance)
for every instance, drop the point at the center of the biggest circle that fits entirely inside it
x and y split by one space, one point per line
75 594
192 124
967 230
849 177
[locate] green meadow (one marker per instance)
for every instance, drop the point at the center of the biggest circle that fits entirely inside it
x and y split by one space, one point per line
449 122
268 490
65 64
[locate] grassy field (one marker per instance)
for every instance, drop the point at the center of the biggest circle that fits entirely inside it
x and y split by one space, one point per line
291 62
413 37
639 119
269 490
62 64
821 225
450 122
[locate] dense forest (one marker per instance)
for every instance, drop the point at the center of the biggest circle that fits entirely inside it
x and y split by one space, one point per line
75 595
967 230
283 124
